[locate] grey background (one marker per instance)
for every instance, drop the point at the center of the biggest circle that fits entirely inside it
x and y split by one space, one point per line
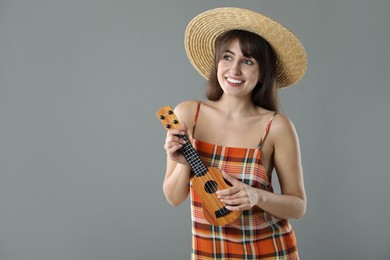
81 156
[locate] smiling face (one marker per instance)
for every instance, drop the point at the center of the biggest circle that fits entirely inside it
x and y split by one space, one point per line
237 73
244 63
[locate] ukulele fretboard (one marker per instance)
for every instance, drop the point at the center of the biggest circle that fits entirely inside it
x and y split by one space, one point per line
193 158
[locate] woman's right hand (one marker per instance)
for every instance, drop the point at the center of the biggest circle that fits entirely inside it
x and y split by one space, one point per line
173 144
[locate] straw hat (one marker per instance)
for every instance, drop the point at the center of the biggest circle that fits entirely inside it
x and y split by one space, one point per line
203 30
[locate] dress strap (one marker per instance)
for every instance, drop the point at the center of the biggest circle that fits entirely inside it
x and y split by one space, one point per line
267 129
196 118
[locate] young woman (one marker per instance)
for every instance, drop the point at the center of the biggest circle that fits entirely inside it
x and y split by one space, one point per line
245 57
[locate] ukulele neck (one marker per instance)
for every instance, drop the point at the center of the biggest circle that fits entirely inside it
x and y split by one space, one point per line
192 158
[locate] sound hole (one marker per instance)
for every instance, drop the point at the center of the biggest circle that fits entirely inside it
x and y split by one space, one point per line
211 187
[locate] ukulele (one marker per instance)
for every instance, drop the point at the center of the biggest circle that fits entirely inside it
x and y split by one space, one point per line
206 181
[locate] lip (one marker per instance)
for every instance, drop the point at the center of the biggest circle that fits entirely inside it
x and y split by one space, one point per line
232 83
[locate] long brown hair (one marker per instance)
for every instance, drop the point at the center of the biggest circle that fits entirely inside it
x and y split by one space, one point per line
252 45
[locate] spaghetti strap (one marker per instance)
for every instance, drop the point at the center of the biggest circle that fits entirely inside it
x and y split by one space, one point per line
267 129
196 118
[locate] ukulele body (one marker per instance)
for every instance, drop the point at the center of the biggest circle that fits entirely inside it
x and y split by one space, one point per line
213 209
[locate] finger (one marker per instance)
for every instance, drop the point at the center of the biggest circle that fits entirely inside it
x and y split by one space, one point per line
171 141
174 140
181 130
172 148
236 202
236 194
176 132
230 179
237 207
225 193
236 186
175 135
183 127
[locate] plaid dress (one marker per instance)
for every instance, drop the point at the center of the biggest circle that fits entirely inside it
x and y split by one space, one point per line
256 234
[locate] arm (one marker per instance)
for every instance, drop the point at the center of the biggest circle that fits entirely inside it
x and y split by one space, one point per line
291 203
177 177
176 182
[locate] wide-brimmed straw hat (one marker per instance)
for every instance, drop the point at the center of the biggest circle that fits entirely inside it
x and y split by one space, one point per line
203 30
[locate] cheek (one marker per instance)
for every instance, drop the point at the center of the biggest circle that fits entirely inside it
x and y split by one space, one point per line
220 70
256 75
258 78
220 67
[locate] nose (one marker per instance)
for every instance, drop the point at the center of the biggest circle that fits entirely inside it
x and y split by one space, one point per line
236 68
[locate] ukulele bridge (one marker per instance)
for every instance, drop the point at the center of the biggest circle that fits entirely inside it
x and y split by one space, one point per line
222 212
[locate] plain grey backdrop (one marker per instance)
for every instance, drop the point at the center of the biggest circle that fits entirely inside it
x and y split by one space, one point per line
81 152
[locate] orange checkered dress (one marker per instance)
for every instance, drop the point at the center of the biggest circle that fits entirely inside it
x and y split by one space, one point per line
256 234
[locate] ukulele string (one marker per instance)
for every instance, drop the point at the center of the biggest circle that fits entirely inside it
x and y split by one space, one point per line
211 185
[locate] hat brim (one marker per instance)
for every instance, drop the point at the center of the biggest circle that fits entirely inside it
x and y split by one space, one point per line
203 30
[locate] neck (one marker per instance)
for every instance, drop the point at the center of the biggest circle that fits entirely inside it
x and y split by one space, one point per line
237 106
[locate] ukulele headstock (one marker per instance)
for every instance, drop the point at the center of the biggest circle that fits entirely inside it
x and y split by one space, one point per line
168 118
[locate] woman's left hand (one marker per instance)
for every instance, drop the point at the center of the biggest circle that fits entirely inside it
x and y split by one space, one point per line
240 196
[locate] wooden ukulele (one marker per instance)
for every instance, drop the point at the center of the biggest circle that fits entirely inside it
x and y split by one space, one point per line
206 180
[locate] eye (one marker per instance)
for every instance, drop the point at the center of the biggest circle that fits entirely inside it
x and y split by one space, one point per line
248 62
226 57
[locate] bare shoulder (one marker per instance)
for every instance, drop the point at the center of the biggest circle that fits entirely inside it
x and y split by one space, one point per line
185 111
282 129
282 122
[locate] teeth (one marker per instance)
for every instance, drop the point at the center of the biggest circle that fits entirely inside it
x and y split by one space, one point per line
234 80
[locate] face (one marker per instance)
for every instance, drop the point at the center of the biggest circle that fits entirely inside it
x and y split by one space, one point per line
237 74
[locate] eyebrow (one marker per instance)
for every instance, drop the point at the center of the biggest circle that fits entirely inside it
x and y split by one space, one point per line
246 56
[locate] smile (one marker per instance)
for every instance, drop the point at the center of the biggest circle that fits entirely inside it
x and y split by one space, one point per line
234 81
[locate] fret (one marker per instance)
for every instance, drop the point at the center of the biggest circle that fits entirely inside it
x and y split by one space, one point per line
193 158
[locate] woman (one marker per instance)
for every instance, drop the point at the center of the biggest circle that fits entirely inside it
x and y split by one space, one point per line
245 57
